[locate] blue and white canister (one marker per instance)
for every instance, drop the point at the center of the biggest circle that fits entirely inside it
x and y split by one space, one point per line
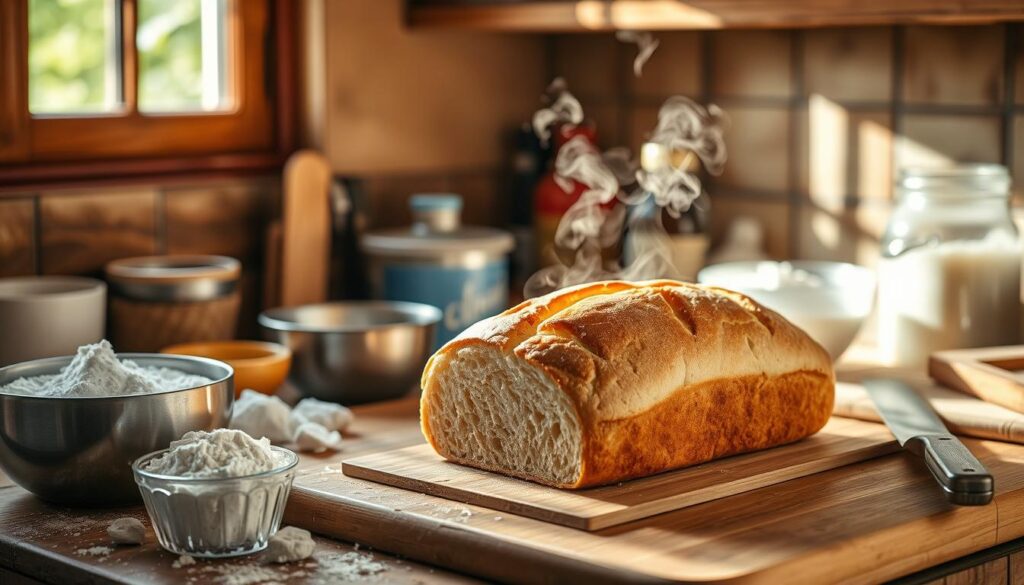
462 270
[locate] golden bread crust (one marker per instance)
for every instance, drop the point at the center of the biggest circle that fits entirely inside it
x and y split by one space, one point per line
662 374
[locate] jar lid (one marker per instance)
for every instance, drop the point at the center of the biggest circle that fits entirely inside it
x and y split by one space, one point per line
979 178
435 201
405 242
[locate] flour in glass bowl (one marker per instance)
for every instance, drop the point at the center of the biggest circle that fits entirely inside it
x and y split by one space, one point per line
95 372
220 453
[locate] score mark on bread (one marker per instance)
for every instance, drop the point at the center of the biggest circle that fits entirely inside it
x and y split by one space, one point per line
609 381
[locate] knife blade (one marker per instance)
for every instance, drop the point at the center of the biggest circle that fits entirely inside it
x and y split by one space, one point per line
918 429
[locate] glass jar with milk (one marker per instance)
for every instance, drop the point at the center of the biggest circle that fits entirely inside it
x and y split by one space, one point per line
950 271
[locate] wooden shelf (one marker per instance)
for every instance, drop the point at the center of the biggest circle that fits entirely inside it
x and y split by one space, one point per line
605 15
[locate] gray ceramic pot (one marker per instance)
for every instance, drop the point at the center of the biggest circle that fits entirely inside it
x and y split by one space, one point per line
46 316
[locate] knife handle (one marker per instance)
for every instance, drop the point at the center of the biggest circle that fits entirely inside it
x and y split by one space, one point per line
964 479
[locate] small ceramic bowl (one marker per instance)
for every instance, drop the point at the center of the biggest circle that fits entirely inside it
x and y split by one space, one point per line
828 300
259 365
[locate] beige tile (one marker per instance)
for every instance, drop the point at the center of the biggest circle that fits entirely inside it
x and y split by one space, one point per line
225 218
589 63
483 203
17 237
843 153
937 140
83 230
839 237
751 63
388 197
848 64
1017 165
642 121
674 68
758 144
606 117
772 215
1018 91
953 65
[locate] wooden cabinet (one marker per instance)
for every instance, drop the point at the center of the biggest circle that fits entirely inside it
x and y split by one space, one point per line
593 15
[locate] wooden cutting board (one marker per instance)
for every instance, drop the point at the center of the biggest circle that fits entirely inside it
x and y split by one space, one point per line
418 468
993 374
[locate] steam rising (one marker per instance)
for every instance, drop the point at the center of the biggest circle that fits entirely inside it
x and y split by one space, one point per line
562 107
685 131
646 45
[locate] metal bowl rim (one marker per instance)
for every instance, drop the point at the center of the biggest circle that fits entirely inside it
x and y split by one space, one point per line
131 356
430 314
292 461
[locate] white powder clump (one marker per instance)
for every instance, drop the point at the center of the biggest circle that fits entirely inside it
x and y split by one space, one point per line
95 371
127 531
290 544
219 453
331 416
313 437
313 425
262 416
183 561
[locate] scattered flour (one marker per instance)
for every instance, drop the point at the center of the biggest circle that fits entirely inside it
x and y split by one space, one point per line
346 567
95 371
244 574
94 551
290 544
183 561
313 425
219 453
127 531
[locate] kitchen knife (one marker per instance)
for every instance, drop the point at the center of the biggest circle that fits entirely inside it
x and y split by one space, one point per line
919 430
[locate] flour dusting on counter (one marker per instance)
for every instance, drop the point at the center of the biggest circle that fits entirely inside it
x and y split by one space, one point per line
95 371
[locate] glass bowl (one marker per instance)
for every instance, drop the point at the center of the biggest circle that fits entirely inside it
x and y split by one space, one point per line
216 517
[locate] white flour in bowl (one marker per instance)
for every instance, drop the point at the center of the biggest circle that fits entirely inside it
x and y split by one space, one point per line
95 371
220 453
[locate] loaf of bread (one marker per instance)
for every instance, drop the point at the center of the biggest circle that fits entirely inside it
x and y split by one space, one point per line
609 381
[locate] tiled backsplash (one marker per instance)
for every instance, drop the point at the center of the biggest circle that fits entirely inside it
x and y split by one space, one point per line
78 231
820 119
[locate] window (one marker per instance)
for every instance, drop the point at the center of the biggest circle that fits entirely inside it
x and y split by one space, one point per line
84 81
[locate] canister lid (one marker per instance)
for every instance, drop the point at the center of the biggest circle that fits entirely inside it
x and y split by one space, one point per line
405 242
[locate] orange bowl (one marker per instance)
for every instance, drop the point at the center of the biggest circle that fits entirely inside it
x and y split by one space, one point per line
259 365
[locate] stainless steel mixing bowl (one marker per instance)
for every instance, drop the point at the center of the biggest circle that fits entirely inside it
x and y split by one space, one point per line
355 351
80 450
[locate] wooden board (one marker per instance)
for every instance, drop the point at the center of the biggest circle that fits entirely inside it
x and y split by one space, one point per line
993 374
863 523
305 230
418 468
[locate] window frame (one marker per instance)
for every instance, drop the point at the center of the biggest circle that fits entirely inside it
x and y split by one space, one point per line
250 135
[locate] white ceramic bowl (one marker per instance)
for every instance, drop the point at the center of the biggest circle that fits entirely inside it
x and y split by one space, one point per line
828 300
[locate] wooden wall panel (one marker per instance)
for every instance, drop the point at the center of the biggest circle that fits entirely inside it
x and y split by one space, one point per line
17 237
82 231
413 101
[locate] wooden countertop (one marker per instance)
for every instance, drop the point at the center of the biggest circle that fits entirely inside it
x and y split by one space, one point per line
868 522
39 541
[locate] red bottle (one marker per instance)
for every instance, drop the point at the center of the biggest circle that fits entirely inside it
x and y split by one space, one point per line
550 202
